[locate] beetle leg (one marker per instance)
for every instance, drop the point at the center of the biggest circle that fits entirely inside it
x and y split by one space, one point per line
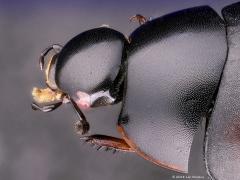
81 126
108 142
56 47
46 108
140 18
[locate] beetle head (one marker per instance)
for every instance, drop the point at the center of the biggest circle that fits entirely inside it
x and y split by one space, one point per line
88 65
52 97
83 72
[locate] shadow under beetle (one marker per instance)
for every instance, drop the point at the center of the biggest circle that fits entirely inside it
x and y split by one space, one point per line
170 74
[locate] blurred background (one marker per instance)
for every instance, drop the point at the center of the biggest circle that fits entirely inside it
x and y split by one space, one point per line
39 146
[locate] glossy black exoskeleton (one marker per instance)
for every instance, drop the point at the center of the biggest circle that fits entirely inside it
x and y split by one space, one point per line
171 73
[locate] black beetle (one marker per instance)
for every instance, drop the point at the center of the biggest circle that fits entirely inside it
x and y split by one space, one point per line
170 74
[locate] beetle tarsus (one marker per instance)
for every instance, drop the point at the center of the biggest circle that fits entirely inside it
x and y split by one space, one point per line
140 18
114 151
81 127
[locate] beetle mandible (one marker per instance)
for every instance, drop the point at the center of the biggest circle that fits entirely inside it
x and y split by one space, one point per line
170 74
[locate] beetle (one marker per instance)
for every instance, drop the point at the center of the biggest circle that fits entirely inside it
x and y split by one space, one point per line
170 74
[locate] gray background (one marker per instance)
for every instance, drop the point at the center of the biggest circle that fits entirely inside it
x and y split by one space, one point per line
38 146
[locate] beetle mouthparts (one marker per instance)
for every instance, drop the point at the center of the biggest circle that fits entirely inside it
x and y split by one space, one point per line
46 95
